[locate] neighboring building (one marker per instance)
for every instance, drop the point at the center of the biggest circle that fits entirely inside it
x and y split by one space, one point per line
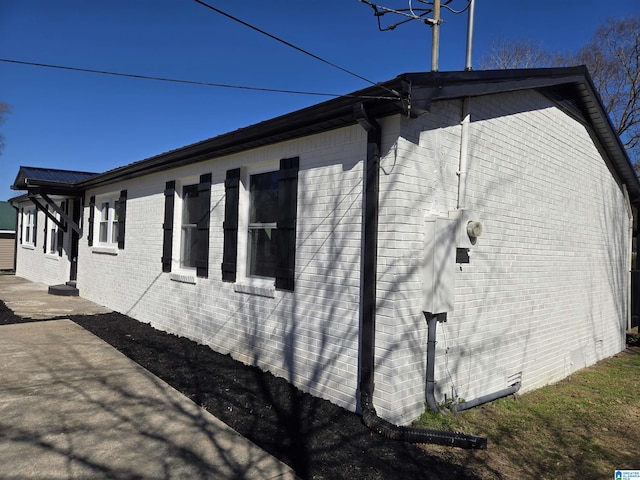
312 244
7 236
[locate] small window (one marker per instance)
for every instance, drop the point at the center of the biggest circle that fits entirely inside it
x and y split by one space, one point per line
263 216
104 222
108 222
190 216
29 227
53 235
186 227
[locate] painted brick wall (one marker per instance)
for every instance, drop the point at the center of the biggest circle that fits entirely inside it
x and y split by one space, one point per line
309 336
37 266
544 291
542 295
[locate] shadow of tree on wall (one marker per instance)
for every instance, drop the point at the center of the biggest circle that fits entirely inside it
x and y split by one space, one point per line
481 346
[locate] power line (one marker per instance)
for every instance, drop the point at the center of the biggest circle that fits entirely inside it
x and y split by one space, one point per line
295 47
191 82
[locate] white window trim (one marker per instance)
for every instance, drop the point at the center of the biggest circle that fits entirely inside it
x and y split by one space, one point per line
52 234
244 283
182 274
111 199
29 213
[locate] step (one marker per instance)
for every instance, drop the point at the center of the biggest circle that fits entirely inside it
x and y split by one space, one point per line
64 290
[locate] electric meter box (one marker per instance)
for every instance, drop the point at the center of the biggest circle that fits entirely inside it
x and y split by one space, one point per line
464 219
440 236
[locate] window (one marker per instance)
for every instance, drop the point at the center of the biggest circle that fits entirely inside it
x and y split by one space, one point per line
192 211
263 217
108 218
52 235
193 206
29 226
111 216
260 225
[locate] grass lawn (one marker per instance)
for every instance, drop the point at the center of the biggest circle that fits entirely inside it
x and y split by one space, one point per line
585 427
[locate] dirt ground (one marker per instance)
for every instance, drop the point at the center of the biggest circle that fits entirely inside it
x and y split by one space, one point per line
317 438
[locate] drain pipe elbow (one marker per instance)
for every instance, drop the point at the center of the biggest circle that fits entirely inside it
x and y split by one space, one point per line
419 435
487 398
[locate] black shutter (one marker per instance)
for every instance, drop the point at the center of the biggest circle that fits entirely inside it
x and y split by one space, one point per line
287 214
230 225
92 205
35 226
202 227
167 239
21 223
122 216
46 221
65 207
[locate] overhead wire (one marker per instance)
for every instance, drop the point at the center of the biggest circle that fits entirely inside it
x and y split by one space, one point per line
193 82
295 47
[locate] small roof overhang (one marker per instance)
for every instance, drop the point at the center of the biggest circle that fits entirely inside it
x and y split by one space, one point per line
49 180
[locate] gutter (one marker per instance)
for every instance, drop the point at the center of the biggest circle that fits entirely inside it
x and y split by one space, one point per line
368 298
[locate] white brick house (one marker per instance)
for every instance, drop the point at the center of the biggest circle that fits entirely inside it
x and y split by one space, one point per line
312 244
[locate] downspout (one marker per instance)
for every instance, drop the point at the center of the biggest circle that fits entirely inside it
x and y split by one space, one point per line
629 256
432 324
367 343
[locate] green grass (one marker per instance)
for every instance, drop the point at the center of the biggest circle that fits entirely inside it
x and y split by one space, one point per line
583 427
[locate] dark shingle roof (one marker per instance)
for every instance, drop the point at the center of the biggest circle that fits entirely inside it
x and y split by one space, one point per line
31 176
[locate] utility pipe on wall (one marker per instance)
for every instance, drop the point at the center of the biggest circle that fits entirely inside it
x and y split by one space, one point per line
464 152
368 301
472 7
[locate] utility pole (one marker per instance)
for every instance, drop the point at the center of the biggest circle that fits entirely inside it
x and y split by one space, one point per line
421 14
435 43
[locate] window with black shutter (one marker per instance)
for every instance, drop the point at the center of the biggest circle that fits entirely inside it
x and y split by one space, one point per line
269 228
121 215
167 226
35 226
230 225
46 226
286 223
92 205
201 252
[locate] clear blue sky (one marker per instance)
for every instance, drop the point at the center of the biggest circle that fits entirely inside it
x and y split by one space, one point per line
84 121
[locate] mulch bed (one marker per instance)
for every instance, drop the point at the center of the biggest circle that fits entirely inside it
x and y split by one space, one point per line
317 438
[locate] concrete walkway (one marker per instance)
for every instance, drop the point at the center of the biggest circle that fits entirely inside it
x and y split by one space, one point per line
73 407
31 300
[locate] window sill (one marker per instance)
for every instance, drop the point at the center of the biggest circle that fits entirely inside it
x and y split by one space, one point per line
28 247
104 250
259 289
181 278
52 256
